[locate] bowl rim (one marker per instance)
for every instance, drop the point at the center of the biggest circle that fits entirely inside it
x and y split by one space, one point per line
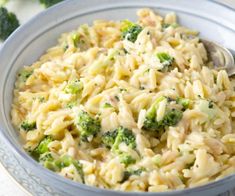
35 165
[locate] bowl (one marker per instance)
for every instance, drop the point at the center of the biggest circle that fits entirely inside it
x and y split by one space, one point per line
31 40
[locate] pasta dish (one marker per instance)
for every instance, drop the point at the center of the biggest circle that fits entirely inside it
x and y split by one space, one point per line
131 106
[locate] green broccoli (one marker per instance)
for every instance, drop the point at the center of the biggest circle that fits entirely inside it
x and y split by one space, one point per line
42 147
24 75
172 117
184 102
28 126
8 23
74 87
48 161
150 118
126 159
87 126
66 161
130 30
128 173
63 161
49 3
108 138
126 136
112 140
166 60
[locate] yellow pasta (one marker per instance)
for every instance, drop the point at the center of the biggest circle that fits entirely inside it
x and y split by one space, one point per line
128 106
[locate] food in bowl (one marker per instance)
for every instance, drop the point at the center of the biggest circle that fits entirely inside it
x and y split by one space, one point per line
128 106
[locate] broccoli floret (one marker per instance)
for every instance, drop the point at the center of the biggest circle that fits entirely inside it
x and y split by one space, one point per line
112 140
130 30
66 161
128 173
28 126
8 23
172 117
166 60
126 159
126 136
49 3
63 161
87 125
184 102
150 118
42 147
74 87
108 138
48 161
24 75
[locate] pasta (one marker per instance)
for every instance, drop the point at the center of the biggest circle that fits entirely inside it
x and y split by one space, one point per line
128 106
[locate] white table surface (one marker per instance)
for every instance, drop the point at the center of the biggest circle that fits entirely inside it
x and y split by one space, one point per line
25 9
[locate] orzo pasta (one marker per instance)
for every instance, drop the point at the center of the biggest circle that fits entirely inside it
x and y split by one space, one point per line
128 106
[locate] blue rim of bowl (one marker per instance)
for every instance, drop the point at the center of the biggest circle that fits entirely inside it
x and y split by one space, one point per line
50 174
